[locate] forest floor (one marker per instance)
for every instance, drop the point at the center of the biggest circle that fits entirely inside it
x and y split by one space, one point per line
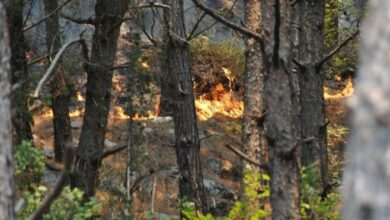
153 158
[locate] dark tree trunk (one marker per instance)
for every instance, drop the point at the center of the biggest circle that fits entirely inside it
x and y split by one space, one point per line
59 91
281 105
253 137
6 158
22 118
367 171
180 86
109 15
313 116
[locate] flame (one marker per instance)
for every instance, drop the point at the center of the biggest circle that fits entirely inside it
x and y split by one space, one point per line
346 92
76 113
221 102
79 97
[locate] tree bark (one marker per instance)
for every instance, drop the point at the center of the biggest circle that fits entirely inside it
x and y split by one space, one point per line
59 91
367 172
180 85
313 115
21 118
6 158
253 136
108 19
281 121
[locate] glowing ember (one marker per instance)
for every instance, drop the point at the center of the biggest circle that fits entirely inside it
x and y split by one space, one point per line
221 102
347 91
76 113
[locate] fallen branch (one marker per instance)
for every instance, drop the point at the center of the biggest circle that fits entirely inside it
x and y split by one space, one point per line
336 49
112 151
44 207
79 20
226 22
47 16
263 166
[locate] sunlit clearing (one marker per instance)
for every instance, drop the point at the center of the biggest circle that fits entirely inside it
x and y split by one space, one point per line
346 92
221 102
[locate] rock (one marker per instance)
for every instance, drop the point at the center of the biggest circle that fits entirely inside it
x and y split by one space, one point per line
49 177
221 197
109 144
162 119
48 152
214 165
147 130
76 124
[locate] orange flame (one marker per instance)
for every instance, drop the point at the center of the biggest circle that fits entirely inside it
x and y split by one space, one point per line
221 102
346 92
79 97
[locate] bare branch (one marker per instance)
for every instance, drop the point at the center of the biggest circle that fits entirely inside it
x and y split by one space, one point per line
47 16
263 166
57 189
112 151
224 21
337 49
53 65
153 5
89 20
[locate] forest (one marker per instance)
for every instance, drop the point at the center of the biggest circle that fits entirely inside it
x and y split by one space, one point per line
194 109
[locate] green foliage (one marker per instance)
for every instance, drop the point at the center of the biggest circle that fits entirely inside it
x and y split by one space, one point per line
312 205
29 164
68 206
220 54
246 209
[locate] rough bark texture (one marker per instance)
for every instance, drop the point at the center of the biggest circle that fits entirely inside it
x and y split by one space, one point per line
367 173
253 137
21 118
312 118
6 160
180 85
109 15
281 120
59 91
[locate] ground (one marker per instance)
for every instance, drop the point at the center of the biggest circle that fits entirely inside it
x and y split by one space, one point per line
153 164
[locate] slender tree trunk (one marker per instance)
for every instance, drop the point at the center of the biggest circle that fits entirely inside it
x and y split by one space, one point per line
313 116
6 158
367 172
281 105
253 136
21 118
109 15
180 85
59 91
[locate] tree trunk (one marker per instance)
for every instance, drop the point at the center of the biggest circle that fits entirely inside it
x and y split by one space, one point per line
367 172
253 136
180 85
281 105
109 15
21 118
59 91
6 158
313 116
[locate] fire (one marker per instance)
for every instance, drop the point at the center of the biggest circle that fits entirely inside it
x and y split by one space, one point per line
221 102
76 113
346 92
79 97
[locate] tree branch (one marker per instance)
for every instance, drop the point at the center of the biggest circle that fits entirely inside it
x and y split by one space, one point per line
263 166
112 151
336 49
226 22
44 207
53 65
153 5
79 20
47 16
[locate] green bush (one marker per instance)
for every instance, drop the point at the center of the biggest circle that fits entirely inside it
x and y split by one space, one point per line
29 165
